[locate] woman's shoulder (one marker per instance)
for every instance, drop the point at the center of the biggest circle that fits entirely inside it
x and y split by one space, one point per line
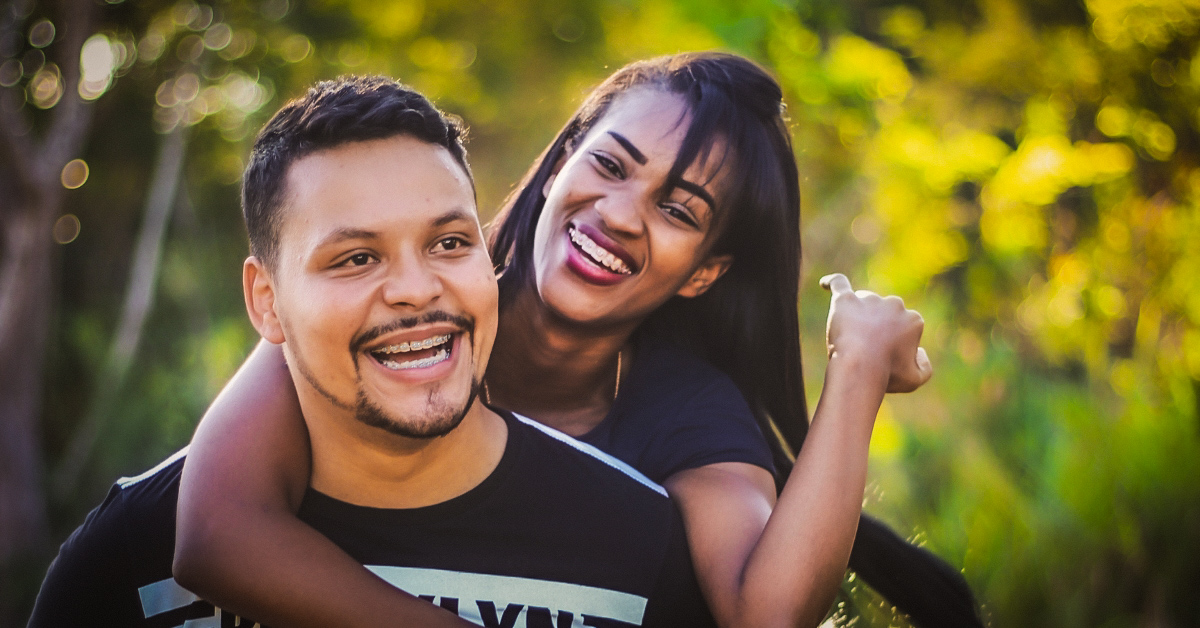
662 366
678 411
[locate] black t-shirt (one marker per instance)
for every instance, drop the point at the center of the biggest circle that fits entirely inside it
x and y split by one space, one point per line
558 535
676 412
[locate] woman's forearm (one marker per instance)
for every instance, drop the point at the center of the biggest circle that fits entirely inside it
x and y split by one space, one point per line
288 574
762 562
793 572
239 543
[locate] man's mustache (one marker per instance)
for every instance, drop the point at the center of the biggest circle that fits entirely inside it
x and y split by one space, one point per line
464 323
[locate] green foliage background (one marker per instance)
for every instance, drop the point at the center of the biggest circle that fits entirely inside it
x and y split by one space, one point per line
1025 173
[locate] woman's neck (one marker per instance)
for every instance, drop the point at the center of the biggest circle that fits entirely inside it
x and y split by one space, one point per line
553 370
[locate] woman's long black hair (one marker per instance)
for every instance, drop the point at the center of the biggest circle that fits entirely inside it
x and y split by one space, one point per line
747 323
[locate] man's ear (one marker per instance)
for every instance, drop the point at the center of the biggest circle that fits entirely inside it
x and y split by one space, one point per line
259 289
704 277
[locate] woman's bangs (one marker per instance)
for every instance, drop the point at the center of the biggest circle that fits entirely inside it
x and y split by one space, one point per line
712 123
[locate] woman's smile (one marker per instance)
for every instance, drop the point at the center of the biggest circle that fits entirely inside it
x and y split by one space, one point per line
597 259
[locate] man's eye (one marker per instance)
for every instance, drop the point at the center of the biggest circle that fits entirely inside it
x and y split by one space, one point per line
449 244
358 259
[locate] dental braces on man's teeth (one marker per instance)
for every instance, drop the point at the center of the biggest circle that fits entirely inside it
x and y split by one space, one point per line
441 356
417 345
598 253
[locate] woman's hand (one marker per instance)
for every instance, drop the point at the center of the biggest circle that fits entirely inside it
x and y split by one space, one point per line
866 328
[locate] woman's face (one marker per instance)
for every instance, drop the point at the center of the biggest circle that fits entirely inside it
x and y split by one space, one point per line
612 243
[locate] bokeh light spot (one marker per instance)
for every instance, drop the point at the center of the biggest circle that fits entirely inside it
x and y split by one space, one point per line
295 48
66 229
10 73
41 34
75 174
46 87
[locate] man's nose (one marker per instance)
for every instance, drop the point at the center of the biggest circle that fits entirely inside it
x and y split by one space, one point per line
411 283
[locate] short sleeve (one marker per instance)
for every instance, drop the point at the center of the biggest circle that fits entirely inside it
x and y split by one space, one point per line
712 424
86 583
677 600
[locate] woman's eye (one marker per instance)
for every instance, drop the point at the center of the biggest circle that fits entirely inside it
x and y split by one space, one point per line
679 214
358 259
611 166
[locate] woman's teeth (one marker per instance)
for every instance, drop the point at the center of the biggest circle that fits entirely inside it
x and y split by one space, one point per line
599 254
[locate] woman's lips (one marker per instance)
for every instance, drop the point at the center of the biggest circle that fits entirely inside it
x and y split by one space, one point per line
593 262
597 253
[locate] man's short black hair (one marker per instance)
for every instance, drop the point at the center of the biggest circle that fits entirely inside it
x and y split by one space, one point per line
332 113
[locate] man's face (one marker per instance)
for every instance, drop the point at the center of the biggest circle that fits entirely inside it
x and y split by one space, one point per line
383 292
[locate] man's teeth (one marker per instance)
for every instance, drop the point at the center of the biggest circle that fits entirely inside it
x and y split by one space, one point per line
440 356
599 253
416 345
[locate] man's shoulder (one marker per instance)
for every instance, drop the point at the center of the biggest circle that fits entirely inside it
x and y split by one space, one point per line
550 448
143 504
160 481
582 478
115 569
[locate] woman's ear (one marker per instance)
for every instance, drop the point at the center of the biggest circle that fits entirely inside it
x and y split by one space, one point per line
259 290
704 276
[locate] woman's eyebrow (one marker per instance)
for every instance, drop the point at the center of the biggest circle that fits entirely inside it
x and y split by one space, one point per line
633 151
688 186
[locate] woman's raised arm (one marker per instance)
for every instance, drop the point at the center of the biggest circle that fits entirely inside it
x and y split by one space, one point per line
238 541
765 567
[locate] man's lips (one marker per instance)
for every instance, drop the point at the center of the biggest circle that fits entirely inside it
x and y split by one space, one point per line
413 343
410 329
417 352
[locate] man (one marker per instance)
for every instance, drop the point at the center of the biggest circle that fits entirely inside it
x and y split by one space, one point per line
369 267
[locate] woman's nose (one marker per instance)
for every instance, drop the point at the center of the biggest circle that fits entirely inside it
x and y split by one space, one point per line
621 213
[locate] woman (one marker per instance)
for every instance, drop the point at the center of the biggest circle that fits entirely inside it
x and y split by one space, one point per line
664 215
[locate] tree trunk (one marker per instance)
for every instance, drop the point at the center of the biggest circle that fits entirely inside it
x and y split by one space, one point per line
25 288
31 196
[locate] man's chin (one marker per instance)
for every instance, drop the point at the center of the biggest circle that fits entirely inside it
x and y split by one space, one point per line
439 419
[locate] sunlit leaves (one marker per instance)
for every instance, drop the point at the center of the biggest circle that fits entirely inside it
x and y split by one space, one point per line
1152 23
874 72
390 20
1031 187
656 27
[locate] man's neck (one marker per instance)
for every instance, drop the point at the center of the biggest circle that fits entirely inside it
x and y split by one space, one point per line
367 466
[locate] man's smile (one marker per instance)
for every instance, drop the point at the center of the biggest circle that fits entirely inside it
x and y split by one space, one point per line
415 354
